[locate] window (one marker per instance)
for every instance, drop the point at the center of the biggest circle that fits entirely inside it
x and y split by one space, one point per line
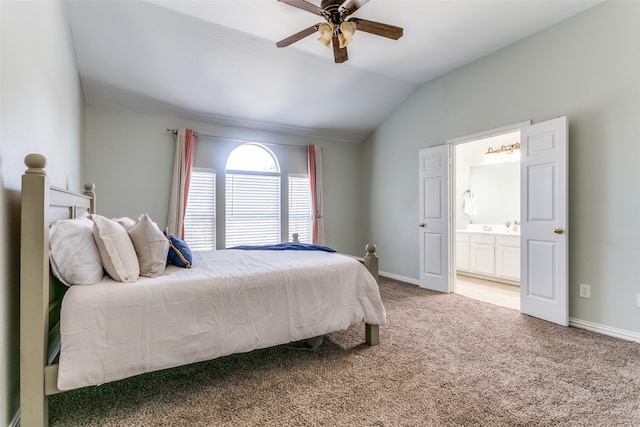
252 197
262 197
200 219
300 208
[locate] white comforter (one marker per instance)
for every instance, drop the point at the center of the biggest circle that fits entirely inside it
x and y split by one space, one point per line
230 301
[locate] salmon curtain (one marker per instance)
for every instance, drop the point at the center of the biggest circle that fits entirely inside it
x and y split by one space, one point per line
185 151
315 180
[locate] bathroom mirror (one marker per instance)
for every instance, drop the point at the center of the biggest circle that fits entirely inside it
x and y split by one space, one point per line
496 192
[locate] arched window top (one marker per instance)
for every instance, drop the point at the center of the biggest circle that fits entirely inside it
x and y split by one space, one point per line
252 157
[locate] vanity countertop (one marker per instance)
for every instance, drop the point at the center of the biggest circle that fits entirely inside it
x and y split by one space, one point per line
495 229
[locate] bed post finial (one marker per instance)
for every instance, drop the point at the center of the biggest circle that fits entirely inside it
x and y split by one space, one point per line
35 164
89 191
371 249
371 261
296 238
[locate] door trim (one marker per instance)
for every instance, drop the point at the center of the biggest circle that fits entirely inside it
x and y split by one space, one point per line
489 133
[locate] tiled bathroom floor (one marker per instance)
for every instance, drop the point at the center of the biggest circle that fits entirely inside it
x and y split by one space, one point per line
496 293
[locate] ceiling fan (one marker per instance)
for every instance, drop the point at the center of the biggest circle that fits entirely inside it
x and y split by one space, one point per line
339 26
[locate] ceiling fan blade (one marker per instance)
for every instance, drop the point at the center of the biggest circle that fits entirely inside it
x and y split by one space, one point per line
378 28
339 54
350 6
297 36
305 5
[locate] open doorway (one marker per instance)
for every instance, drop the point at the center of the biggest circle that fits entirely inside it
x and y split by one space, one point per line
539 255
487 216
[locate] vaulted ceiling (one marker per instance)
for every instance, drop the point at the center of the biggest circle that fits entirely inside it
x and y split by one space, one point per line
217 61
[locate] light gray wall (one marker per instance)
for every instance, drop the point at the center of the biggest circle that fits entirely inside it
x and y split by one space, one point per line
586 68
129 156
41 112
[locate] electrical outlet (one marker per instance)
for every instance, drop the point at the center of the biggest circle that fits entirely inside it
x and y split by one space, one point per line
585 291
638 300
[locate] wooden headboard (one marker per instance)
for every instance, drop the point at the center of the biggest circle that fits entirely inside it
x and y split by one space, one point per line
40 297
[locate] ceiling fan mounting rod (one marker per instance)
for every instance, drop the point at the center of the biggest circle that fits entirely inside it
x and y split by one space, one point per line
334 13
325 15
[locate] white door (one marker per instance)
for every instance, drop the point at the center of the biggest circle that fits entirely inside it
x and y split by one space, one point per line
544 248
433 224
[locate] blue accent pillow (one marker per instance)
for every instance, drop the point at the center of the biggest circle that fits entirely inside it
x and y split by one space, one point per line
179 252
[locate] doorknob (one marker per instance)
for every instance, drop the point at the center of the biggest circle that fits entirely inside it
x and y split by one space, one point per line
422 225
558 230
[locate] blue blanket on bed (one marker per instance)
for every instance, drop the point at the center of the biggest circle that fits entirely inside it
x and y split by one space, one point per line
287 246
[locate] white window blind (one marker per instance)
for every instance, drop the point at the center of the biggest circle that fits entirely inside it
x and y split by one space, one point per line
252 208
300 208
200 220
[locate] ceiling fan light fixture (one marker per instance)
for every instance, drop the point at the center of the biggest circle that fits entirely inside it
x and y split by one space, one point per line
326 33
347 30
339 28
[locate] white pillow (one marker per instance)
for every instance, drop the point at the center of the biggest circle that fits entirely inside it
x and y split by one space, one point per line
116 250
151 246
125 221
73 253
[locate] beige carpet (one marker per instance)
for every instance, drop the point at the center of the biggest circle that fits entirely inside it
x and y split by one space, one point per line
444 360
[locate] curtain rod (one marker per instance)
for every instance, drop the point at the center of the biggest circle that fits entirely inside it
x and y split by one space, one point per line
175 131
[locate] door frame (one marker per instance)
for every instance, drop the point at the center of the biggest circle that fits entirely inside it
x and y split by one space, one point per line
452 183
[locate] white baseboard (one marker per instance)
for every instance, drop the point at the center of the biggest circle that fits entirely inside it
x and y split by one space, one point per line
400 278
605 330
15 422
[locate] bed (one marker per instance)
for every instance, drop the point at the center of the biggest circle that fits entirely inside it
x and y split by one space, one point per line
230 301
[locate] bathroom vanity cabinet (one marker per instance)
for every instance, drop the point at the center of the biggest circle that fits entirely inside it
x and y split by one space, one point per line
488 255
